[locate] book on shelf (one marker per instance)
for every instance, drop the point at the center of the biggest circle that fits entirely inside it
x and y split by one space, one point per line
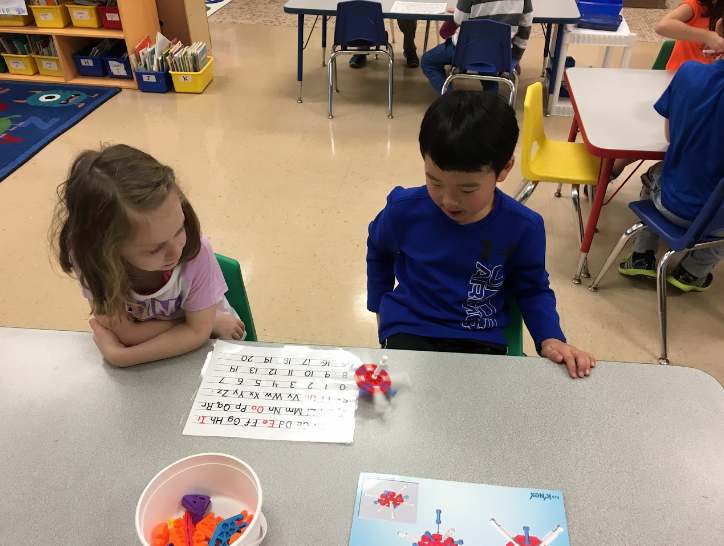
17 44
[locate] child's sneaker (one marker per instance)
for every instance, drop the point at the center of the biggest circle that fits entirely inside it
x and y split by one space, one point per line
413 61
358 61
639 264
683 280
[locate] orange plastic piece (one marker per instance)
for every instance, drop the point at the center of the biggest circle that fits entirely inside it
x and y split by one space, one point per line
205 529
160 535
177 533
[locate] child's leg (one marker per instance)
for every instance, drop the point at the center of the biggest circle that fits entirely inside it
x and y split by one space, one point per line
700 262
433 64
646 240
408 28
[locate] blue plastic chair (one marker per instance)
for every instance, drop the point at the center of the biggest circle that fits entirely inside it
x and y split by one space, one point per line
710 220
484 47
360 29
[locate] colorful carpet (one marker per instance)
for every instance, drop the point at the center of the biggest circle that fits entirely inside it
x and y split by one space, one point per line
33 114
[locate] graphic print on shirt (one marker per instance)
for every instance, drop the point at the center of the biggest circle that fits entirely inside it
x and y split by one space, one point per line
150 308
484 284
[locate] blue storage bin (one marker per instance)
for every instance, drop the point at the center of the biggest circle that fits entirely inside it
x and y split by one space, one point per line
116 67
89 66
608 23
154 82
600 7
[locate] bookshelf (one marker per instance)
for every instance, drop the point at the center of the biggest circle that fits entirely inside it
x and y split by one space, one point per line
139 18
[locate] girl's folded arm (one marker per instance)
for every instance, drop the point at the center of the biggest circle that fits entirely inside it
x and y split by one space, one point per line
131 333
180 339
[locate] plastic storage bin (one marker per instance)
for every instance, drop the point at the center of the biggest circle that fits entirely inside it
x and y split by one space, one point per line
48 66
154 82
193 82
116 67
89 66
15 20
600 7
110 17
3 66
51 16
84 16
21 64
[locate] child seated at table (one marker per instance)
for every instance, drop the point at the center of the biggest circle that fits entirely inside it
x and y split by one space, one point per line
516 13
693 108
693 25
125 229
460 248
697 27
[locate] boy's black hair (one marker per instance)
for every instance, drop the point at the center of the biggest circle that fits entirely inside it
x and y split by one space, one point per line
466 131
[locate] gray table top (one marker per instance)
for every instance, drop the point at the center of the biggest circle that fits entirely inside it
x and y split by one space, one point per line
636 449
615 108
544 11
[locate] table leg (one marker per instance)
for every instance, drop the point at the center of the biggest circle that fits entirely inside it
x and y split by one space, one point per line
427 35
573 133
557 68
546 46
603 181
607 56
626 57
300 56
324 40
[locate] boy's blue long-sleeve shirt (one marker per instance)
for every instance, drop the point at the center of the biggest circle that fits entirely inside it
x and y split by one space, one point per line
454 280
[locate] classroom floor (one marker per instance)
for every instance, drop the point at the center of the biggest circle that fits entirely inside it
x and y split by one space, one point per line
290 193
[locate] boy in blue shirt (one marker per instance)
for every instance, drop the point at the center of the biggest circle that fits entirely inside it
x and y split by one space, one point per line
459 247
693 108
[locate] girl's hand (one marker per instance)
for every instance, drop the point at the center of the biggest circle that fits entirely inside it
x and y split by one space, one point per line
107 342
228 327
714 41
579 363
451 9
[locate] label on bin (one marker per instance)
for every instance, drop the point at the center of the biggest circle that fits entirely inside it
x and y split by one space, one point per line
49 65
113 17
46 16
20 65
149 78
183 78
81 14
86 62
118 69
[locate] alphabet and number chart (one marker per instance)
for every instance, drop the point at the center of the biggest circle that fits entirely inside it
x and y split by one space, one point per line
281 393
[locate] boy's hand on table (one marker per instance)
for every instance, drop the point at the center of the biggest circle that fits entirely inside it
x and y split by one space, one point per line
107 342
579 363
451 9
228 327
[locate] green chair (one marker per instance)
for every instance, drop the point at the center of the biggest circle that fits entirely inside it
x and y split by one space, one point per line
236 294
664 55
514 331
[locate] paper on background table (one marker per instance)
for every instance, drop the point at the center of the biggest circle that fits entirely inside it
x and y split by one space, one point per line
282 393
418 7
13 7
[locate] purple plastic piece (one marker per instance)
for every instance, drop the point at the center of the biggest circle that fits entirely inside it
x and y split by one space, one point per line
198 505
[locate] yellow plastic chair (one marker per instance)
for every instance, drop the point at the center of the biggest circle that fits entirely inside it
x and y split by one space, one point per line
553 160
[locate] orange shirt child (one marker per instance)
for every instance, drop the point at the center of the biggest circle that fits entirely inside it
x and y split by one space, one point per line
690 41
